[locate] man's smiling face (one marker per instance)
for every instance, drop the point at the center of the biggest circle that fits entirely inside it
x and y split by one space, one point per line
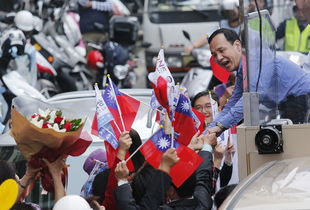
226 54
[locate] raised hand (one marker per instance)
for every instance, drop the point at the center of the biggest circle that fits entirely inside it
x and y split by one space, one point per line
169 159
121 171
196 142
209 138
125 142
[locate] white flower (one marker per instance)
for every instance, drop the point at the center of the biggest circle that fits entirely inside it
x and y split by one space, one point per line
63 121
52 116
44 113
37 123
34 119
55 127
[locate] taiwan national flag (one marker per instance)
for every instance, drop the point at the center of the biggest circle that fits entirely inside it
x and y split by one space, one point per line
185 124
159 143
123 107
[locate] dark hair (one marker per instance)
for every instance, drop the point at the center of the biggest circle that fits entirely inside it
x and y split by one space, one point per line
138 158
143 172
295 8
100 183
7 171
187 188
204 93
230 35
140 181
222 194
24 206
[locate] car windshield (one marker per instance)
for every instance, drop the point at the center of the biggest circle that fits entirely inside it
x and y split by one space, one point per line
182 5
285 185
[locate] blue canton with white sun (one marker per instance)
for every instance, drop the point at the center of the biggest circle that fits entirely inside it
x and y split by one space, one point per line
163 144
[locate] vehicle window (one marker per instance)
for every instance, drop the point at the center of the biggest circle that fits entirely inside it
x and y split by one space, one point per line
184 11
183 5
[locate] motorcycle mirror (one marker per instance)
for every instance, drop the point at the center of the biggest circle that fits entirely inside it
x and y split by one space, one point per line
187 36
146 44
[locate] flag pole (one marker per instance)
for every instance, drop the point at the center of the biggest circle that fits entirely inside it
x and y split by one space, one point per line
119 130
97 91
119 110
135 152
138 149
172 137
213 114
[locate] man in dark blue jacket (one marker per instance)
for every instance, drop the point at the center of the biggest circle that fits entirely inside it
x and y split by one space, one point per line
92 14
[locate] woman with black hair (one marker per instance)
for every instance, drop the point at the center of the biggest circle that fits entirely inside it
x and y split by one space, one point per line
129 142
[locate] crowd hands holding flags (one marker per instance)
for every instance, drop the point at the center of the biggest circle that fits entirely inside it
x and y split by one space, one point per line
176 168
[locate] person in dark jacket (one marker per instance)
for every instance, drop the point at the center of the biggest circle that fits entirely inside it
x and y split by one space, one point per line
139 178
94 20
195 193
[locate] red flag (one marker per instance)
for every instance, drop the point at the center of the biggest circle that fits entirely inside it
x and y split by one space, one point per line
154 148
161 92
94 126
219 72
233 130
111 154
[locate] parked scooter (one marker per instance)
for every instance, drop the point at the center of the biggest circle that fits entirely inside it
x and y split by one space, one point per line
115 61
199 77
62 33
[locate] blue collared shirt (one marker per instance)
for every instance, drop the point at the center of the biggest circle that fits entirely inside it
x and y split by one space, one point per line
289 79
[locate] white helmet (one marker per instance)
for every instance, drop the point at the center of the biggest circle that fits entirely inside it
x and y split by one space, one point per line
12 43
71 202
24 20
230 4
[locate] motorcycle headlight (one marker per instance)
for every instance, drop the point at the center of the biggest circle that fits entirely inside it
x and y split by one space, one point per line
120 71
174 61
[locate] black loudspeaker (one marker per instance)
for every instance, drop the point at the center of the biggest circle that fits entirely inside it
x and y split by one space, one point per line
268 139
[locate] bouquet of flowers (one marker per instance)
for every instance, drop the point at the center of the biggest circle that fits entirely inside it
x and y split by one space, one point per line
55 120
44 131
